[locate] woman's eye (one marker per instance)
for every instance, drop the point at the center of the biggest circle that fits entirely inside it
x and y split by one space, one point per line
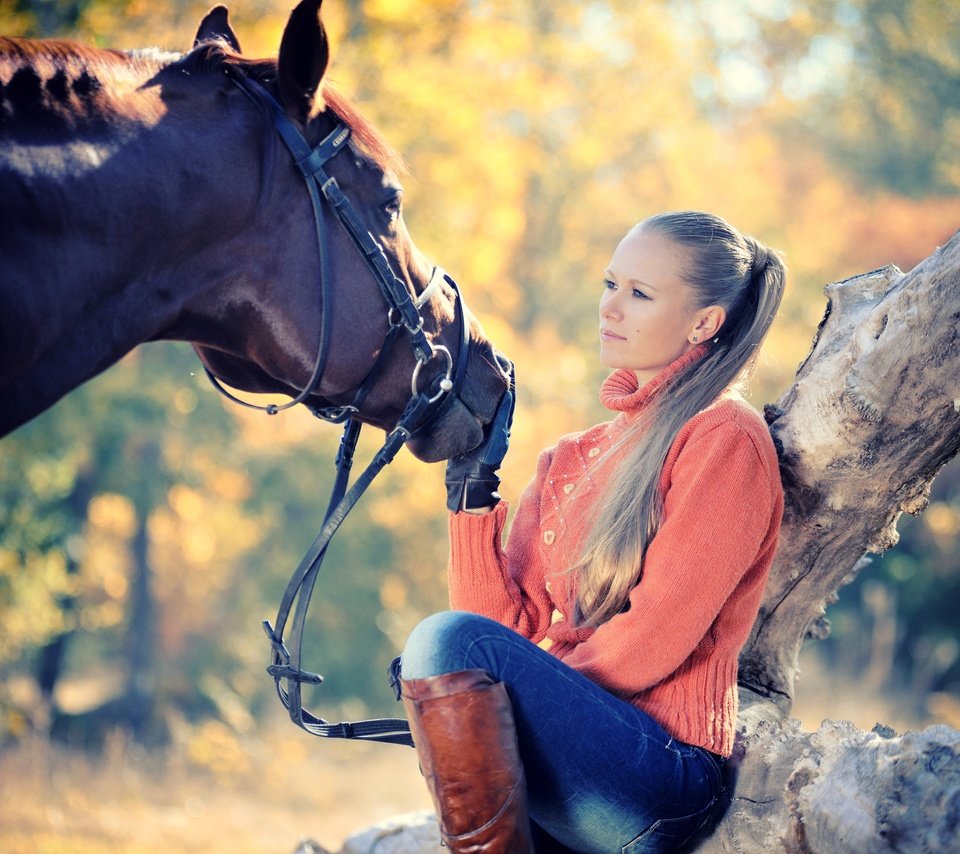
639 294
610 286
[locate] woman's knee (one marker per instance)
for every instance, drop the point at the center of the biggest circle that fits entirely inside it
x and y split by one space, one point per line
439 644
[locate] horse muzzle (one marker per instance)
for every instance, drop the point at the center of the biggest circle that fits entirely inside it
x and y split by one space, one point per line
459 427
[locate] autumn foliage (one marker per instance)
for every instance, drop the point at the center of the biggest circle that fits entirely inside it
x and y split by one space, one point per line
143 513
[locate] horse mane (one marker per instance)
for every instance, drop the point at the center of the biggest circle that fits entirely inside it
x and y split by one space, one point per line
45 75
55 82
60 52
217 54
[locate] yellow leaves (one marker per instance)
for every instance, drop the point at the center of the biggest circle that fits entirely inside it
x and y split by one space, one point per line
393 592
405 493
28 593
187 503
395 11
262 432
943 520
113 515
105 565
536 134
50 477
195 540
230 485
115 584
260 36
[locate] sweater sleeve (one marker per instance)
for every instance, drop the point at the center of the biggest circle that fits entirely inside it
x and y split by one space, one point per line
506 585
719 511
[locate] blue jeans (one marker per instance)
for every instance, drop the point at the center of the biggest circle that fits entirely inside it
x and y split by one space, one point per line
602 775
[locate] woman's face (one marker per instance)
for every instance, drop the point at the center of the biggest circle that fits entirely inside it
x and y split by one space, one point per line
647 312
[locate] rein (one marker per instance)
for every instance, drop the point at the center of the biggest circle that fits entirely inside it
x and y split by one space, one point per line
422 409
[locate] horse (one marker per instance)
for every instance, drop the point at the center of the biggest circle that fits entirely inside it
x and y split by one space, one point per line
147 196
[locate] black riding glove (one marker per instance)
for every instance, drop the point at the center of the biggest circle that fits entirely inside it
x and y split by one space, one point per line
472 480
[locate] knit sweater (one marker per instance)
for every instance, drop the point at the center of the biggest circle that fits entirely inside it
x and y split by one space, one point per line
673 652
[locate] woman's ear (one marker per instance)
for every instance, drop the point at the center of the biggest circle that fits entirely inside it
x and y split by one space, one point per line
708 323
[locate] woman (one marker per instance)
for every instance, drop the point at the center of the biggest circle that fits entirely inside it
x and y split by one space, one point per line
583 696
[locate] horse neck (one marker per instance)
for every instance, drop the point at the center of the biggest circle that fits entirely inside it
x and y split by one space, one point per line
115 200
117 165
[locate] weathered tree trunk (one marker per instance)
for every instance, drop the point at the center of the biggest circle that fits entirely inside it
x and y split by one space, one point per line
872 417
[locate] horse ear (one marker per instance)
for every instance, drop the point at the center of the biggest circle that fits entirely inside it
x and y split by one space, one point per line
304 54
216 26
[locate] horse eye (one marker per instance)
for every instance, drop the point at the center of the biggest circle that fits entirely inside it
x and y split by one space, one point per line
393 205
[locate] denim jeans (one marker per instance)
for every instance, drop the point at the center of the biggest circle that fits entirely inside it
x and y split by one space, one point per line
602 775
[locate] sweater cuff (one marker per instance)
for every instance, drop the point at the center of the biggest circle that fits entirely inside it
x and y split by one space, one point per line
465 524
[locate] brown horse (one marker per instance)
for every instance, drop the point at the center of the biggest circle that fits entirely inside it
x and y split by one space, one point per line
147 196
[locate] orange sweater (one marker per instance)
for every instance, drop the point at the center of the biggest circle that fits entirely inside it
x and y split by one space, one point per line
674 652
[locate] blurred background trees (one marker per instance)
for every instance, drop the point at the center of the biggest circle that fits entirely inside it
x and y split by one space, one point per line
146 527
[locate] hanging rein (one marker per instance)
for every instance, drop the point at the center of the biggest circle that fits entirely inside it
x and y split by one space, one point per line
422 409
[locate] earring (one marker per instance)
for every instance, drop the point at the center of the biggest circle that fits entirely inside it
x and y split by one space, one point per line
694 340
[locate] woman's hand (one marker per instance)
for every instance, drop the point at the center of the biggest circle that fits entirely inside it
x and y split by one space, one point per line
472 480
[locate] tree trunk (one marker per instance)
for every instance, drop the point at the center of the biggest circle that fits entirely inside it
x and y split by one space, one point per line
872 417
51 656
139 694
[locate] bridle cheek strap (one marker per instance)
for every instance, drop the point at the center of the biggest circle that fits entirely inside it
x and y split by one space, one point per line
423 408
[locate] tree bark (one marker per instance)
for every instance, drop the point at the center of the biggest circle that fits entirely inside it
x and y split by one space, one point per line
872 417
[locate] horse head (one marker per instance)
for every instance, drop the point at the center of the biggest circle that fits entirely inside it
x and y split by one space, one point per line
181 215
368 176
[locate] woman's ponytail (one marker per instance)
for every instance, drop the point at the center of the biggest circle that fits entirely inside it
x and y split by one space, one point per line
753 307
767 278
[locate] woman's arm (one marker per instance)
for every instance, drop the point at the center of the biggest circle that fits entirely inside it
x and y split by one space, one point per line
506 585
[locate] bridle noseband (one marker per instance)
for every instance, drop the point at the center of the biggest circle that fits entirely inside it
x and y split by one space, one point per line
422 409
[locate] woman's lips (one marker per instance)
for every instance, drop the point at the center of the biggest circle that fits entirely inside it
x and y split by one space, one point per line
607 335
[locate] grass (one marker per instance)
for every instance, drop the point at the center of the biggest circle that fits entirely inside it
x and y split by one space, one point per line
210 792
214 790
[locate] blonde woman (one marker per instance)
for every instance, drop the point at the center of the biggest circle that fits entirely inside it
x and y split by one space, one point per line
583 696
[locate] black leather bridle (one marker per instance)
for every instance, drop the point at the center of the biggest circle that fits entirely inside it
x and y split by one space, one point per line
423 408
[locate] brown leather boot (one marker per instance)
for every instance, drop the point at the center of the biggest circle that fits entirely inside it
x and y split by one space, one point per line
462 725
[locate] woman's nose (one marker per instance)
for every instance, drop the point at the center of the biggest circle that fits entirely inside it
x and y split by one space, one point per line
609 305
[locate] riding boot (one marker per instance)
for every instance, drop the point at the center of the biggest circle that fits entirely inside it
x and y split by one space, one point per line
462 725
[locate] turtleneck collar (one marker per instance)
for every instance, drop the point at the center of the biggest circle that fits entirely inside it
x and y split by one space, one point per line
622 392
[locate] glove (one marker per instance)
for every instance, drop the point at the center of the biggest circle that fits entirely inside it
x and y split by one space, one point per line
472 480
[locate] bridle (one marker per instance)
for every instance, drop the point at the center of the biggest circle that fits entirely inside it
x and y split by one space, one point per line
423 408
403 309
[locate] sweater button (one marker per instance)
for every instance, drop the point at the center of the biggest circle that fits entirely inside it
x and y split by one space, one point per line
549 537
568 488
593 452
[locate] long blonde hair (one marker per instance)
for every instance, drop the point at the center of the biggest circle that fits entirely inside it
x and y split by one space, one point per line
724 268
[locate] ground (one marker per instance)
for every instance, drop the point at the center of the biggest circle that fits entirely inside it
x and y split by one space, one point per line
211 794
265 791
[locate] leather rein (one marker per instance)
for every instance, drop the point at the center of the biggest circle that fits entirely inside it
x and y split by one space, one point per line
423 408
